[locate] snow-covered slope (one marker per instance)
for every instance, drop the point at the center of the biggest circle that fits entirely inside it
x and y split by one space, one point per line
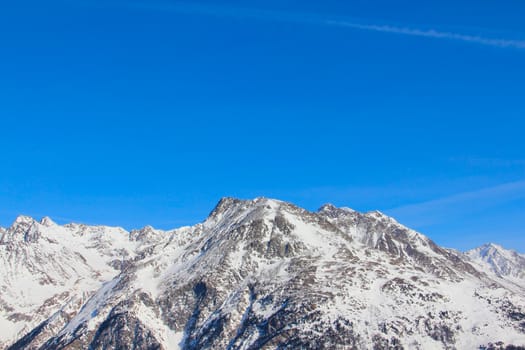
503 262
45 267
267 274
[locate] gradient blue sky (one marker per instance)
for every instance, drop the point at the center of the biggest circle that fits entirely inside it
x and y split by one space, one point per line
147 112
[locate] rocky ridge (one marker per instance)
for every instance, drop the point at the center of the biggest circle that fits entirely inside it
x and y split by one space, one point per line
258 274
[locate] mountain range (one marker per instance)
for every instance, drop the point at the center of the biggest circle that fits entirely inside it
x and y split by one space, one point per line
256 274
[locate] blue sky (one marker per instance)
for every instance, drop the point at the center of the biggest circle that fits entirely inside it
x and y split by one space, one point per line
147 112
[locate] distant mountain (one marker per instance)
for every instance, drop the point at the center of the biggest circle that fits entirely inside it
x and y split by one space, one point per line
501 261
256 274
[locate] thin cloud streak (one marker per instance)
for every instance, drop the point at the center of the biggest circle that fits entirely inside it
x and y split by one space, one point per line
458 205
431 33
243 13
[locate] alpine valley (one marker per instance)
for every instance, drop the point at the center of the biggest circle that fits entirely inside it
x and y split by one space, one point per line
256 274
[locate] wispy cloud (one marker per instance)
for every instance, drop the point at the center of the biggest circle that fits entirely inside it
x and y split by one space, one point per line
458 205
431 33
246 13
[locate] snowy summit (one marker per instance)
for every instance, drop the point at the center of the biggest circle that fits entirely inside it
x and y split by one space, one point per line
256 274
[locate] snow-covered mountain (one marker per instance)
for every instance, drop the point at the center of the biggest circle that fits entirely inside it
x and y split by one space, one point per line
47 268
502 262
255 274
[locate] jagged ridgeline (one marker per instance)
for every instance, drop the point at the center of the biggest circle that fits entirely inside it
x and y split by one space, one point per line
256 274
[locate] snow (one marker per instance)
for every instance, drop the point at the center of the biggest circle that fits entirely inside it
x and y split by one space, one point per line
10 328
46 221
147 280
507 266
348 276
167 337
313 236
62 261
23 219
92 308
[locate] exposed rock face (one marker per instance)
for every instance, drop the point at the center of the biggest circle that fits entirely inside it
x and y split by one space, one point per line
267 274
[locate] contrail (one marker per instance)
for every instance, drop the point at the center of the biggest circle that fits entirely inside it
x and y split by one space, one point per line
245 13
431 33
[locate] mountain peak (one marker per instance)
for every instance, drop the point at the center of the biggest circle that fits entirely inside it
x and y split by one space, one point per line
377 214
502 261
223 205
24 228
490 245
148 232
329 207
492 248
257 273
229 203
23 219
46 221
